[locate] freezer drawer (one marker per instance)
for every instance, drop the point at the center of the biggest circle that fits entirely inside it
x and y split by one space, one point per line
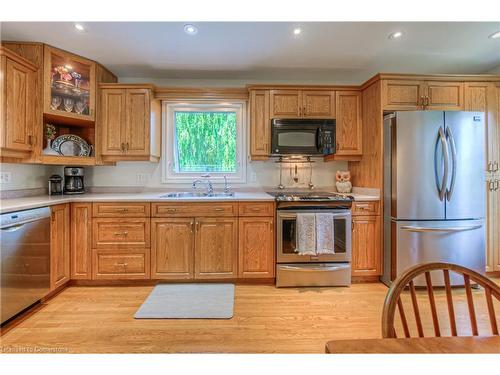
460 241
313 274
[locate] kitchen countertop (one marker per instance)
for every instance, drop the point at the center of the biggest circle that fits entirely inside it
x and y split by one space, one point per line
25 203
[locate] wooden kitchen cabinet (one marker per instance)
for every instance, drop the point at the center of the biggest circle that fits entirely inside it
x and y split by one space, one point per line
285 104
130 122
348 124
120 232
318 104
81 241
256 247
412 95
126 264
216 248
366 246
172 251
17 104
59 246
302 104
260 125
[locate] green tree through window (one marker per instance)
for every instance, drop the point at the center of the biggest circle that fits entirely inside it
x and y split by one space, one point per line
205 141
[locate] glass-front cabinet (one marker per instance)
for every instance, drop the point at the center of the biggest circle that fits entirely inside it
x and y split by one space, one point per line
69 87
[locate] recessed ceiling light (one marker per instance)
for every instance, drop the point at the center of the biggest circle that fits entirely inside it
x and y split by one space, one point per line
190 29
495 35
79 27
396 35
297 31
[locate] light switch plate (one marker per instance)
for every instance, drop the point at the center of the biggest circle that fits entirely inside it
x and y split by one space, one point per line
5 177
143 177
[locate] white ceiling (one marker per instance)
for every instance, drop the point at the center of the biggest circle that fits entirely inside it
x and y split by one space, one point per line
347 52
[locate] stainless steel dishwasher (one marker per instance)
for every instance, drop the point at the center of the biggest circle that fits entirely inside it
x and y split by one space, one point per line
24 259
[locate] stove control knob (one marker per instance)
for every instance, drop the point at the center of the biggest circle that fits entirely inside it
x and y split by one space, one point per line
289 198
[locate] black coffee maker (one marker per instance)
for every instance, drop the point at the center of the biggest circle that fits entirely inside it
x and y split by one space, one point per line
73 180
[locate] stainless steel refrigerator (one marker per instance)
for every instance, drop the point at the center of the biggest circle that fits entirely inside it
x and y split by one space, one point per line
434 191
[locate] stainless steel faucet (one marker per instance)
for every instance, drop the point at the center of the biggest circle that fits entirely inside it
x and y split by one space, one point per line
210 188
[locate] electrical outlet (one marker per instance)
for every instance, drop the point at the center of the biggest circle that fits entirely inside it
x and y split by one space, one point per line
253 177
143 177
5 177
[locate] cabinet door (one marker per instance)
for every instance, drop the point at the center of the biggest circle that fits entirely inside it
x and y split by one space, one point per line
256 247
172 250
444 96
260 125
19 107
318 104
69 87
113 117
137 123
348 124
81 240
216 248
402 95
285 103
59 246
366 249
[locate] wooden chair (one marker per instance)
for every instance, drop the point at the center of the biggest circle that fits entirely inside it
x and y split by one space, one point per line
393 299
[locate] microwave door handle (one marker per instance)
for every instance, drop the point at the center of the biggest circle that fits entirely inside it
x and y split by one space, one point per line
319 139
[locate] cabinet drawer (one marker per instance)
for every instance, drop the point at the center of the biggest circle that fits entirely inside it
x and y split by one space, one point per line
365 208
256 209
194 209
112 264
120 233
121 209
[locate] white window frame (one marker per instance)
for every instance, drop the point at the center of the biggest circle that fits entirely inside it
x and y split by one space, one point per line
169 173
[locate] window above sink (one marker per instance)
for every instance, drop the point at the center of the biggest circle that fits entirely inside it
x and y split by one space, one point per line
204 137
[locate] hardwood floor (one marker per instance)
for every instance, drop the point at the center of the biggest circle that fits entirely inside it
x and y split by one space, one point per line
266 320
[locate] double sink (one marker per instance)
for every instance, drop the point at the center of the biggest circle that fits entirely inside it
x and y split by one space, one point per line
191 194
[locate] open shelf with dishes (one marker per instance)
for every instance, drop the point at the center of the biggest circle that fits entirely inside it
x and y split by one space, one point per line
68 144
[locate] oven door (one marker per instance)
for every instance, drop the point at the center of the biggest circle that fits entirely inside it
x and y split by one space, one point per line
287 236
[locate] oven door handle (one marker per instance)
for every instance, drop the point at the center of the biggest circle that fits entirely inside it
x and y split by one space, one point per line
315 269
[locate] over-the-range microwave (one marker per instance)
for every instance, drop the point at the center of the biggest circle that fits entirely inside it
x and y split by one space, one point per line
302 137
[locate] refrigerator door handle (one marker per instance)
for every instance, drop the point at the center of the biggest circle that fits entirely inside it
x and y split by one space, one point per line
441 186
451 140
411 228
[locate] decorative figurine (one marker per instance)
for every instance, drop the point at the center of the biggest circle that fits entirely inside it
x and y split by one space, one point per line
343 181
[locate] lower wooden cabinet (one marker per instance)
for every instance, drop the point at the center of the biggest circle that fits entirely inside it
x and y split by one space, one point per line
366 246
256 247
59 246
120 264
81 240
216 245
172 250
120 232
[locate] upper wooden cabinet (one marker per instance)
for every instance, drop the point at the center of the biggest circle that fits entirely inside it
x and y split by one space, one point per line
69 89
417 95
260 126
59 246
17 104
348 123
129 123
302 104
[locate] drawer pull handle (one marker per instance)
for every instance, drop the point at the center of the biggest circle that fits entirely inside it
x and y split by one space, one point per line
255 208
123 209
121 264
171 210
218 209
121 233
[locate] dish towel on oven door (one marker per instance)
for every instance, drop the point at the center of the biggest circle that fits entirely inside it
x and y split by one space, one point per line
325 241
306 234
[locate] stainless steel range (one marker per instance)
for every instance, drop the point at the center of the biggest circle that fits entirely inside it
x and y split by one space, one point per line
314 267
